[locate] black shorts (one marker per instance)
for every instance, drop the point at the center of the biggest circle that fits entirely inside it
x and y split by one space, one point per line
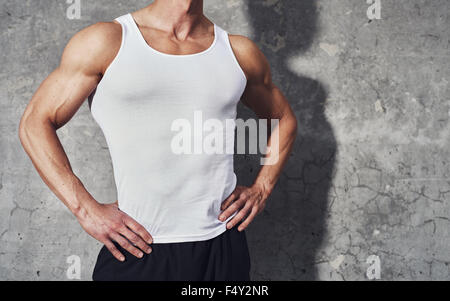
222 258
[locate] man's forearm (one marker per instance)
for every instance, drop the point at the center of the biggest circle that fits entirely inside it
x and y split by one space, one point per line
44 148
277 158
249 201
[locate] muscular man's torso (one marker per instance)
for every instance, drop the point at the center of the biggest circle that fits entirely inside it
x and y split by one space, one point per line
148 85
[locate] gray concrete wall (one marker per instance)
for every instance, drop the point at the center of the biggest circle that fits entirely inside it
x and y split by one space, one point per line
369 173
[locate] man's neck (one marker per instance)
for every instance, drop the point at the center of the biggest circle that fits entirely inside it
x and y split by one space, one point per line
177 16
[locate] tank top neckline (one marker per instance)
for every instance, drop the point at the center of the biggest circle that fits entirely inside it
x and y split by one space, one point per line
146 45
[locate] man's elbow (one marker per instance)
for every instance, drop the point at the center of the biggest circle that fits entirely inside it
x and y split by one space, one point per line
24 129
293 125
29 126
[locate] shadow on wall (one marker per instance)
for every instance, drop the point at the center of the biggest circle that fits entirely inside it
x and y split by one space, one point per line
285 238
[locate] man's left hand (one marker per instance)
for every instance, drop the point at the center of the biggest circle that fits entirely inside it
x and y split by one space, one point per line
248 201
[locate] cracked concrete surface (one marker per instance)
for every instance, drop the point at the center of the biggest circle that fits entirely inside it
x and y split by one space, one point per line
369 173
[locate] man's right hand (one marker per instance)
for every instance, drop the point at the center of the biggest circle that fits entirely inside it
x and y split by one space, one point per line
106 223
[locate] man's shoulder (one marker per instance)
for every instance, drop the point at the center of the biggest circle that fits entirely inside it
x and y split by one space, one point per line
101 34
94 47
249 56
242 44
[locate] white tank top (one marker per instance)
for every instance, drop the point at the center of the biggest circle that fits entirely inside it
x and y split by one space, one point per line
176 197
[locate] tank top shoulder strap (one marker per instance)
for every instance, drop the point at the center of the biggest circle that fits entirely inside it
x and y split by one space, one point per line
130 38
123 20
222 34
224 40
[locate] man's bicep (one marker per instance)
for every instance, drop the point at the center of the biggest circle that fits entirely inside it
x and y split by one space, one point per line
266 100
62 93
260 94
